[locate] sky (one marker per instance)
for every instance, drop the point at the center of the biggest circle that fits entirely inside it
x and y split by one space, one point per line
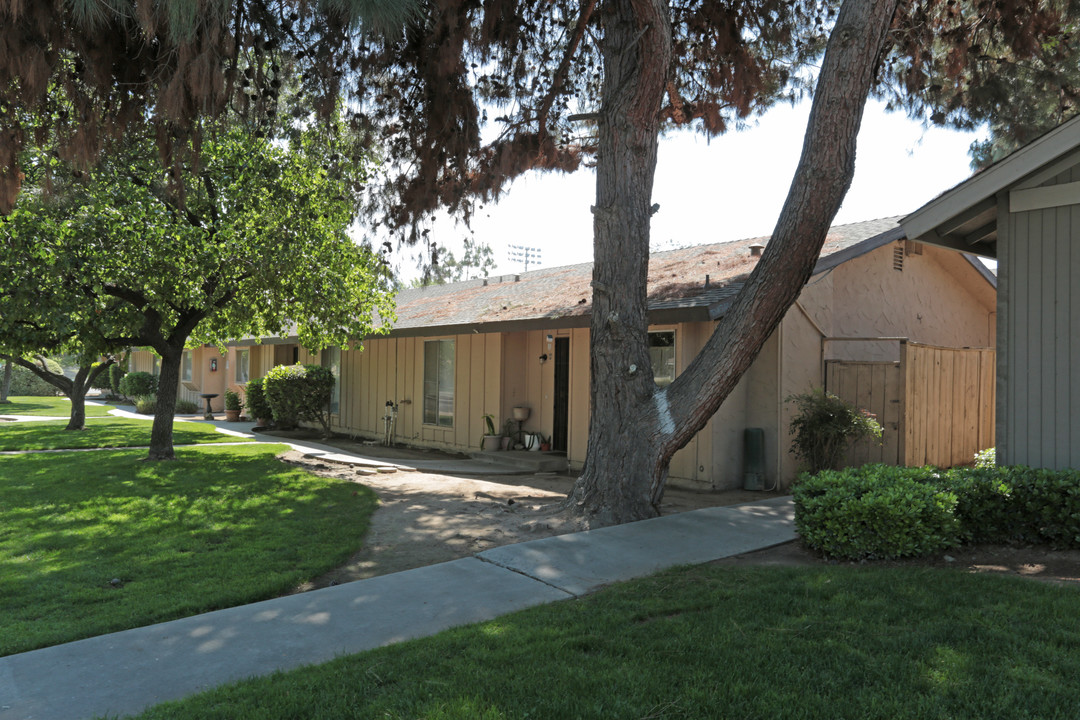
727 188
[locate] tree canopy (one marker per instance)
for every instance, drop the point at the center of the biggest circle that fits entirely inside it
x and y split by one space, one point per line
79 73
251 240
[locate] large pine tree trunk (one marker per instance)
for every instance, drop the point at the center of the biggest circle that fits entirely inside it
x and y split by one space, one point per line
161 439
636 428
625 422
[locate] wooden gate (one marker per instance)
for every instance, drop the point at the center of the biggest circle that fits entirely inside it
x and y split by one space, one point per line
935 406
949 403
878 388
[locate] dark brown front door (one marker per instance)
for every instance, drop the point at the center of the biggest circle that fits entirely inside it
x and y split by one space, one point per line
561 416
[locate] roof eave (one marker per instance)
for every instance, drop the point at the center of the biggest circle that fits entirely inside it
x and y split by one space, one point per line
921 224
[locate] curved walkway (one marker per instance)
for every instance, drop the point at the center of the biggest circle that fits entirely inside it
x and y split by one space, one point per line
125 672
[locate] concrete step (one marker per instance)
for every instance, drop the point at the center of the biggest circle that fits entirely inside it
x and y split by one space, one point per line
531 461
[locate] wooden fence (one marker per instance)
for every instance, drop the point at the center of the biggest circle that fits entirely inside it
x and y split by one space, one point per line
935 406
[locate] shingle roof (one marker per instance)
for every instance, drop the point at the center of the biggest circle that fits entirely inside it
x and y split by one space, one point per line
562 296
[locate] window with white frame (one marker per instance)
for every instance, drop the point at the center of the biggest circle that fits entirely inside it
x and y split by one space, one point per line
662 355
243 366
331 360
187 366
439 382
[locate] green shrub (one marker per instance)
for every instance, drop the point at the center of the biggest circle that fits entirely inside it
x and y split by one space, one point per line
232 400
879 511
299 392
138 383
101 382
986 458
824 426
145 404
257 404
25 382
116 375
186 407
874 512
984 503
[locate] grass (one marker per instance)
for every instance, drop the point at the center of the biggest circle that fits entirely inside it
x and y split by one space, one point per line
218 527
48 406
111 432
709 642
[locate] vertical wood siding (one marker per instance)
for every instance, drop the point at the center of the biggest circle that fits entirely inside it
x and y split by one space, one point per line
1041 299
948 403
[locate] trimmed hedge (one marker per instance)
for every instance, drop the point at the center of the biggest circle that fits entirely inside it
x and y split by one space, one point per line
26 383
257 404
116 375
885 512
874 512
138 383
299 392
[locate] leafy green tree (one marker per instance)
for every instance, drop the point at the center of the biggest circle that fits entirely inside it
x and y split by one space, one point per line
251 240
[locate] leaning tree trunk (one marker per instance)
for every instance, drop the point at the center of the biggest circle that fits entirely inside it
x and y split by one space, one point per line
84 380
74 390
625 422
635 427
161 433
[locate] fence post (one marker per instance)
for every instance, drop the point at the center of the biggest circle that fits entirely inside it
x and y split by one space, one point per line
902 429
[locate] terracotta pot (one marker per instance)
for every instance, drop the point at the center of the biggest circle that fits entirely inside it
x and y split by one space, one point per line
232 415
544 447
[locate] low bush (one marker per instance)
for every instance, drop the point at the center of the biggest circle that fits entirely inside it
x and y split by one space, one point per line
102 381
874 512
257 404
26 383
1019 505
138 383
824 426
145 404
299 392
186 407
986 458
879 511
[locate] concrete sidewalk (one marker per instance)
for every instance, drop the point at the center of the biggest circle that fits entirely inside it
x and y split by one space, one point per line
125 672
329 453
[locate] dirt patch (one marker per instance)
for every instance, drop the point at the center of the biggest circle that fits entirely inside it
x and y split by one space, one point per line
427 518
1059 567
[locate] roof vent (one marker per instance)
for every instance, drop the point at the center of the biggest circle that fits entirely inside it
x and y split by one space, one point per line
756 248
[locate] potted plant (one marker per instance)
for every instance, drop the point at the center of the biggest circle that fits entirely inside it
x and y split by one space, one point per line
545 443
491 441
508 433
232 405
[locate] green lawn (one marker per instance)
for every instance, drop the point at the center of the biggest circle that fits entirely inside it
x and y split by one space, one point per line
218 527
708 642
111 432
49 406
